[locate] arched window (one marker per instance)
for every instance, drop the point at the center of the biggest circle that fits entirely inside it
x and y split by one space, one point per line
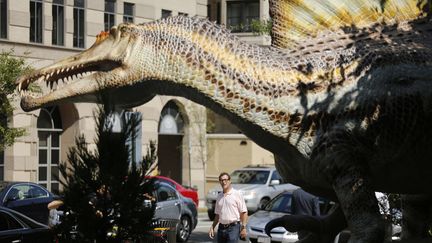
171 121
49 134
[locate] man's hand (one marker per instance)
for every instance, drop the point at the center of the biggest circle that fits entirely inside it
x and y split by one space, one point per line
243 234
211 232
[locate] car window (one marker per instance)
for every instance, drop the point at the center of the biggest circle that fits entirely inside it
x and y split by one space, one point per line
167 182
25 191
17 193
7 222
165 193
276 176
250 176
36 192
281 203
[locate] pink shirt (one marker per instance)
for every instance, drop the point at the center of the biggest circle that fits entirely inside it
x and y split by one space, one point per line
229 206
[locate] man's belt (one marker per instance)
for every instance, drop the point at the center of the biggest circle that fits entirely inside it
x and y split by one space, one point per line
224 226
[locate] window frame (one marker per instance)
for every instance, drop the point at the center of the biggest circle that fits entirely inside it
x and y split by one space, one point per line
79 26
165 13
4 19
58 28
243 25
36 21
128 17
109 16
50 180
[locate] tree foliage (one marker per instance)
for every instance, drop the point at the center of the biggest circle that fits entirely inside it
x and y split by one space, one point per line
104 190
261 27
10 68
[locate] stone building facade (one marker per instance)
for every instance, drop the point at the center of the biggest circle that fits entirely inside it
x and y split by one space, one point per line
43 31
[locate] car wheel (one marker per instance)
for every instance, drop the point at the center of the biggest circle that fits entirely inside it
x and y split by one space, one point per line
211 214
184 230
263 202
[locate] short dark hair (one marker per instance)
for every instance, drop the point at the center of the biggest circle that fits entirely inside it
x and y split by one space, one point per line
224 173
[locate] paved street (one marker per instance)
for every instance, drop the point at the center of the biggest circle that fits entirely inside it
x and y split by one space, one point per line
200 234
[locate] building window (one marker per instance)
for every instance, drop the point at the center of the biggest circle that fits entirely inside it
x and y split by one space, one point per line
166 13
109 14
241 14
171 120
58 22
182 14
3 19
135 139
116 124
78 16
49 133
36 21
128 12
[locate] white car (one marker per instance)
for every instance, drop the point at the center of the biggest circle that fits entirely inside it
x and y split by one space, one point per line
258 184
276 208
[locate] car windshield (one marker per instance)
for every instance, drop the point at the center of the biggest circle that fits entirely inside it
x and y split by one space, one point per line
250 176
281 203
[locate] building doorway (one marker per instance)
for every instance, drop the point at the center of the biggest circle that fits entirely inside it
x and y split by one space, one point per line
170 142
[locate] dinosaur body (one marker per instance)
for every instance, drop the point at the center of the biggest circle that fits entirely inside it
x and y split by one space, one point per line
346 112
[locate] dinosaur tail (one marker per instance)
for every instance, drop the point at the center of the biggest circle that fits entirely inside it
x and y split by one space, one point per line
293 20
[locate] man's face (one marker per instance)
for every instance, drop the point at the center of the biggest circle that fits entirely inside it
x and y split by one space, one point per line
225 182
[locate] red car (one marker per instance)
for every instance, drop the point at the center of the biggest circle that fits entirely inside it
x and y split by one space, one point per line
185 191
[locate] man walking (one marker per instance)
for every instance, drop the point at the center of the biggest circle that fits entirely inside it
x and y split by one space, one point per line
230 213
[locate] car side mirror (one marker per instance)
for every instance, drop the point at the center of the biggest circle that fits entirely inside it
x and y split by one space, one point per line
274 182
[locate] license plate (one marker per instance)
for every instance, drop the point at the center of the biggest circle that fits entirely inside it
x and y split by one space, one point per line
264 239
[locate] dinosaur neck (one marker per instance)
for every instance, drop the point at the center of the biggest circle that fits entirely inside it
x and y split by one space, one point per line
251 83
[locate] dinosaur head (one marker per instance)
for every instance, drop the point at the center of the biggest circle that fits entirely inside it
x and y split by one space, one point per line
110 65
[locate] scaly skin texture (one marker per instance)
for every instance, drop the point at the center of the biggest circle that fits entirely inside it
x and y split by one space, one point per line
346 113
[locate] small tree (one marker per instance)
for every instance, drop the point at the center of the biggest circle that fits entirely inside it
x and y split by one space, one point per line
10 68
104 191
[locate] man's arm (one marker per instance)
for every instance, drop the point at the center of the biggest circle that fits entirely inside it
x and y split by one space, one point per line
215 222
243 222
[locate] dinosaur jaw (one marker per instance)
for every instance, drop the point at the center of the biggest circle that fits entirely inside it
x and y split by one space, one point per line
60 83
107 64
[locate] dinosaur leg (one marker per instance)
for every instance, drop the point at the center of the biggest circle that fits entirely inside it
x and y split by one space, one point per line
416 216
340 157
359 205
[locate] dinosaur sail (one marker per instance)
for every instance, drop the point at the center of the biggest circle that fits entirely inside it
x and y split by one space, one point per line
294 20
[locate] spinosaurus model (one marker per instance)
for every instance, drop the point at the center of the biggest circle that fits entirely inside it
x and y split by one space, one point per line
343 97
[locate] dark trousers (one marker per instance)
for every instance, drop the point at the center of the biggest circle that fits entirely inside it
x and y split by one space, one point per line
230 234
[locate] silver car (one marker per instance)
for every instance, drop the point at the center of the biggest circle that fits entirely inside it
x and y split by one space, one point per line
170 204
276 208
258 184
